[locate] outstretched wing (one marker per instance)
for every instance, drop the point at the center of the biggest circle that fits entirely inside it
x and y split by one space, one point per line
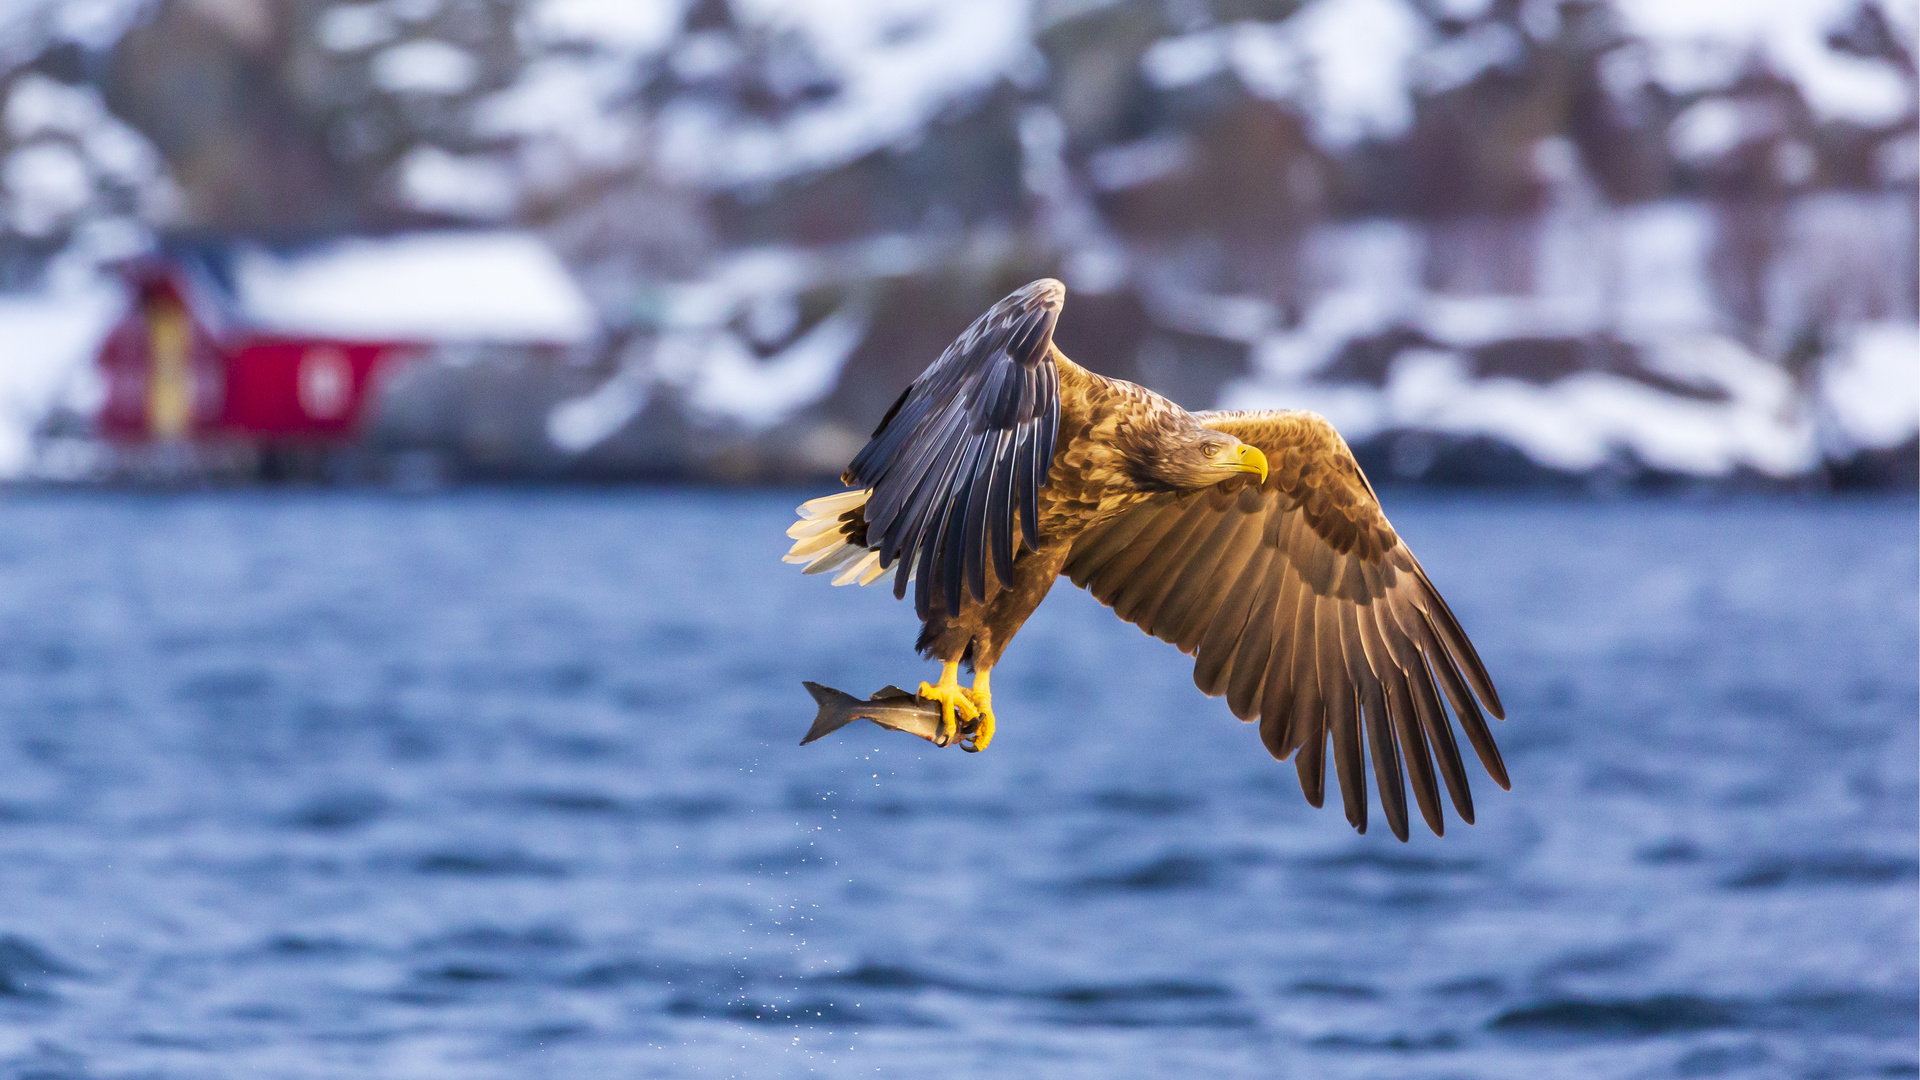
968 444
1303 607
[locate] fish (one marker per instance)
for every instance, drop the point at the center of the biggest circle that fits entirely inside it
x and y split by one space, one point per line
891 708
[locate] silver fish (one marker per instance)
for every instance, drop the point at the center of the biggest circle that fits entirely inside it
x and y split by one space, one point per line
892 708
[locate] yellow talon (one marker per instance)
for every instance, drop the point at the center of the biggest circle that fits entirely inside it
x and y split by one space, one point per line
983 701
952 698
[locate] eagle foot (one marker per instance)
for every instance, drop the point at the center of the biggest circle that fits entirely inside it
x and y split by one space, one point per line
956 703
980 732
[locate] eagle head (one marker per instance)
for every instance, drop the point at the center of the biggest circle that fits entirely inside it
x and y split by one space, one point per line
1198 457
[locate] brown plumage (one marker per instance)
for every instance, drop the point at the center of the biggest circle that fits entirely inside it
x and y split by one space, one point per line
1251 541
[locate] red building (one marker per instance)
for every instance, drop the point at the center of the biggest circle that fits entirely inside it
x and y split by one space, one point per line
238 340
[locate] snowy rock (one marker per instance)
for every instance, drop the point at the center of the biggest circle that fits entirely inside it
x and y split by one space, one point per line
51 337
353 27
424 67
45 184
1872 390
432 179
1346 63
1704 44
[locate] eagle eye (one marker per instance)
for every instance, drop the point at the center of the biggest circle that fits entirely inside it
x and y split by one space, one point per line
1211 449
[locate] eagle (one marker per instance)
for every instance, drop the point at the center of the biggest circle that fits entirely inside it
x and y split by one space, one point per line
1251 541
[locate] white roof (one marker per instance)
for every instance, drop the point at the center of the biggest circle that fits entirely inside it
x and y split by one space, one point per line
450 286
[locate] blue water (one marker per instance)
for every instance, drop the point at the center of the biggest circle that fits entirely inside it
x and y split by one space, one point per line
505 784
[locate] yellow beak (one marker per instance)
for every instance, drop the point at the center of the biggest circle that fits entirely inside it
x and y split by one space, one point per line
1245 458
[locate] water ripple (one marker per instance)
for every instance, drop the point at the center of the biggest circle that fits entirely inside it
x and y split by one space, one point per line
504 784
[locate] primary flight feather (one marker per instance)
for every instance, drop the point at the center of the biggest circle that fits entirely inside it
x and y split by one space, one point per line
1249 540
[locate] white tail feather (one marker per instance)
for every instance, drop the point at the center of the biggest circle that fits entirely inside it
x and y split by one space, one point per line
848 575
834 560
822 546
832 506
809 545
808 558
812 526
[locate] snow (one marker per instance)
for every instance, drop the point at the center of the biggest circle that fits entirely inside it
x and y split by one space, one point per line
733 383
67 146
897 63
623 24
706 55
1639 274
1353 66
51 338
1456 61
45 183
1367 278
119 151
424 67
1872 387
1359 53
97 243
575 108
1660 252
719 374
1642 270
582 423
1577 423
1700 44
37 105
715 369
1346 63
28 26
41 109
352 27
564 103
476 187
1715 127
1182 61
456 286
1642 273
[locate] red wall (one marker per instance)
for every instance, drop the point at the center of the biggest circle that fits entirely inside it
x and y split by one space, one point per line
302 388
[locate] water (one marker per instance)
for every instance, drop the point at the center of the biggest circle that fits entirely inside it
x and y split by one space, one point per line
506 785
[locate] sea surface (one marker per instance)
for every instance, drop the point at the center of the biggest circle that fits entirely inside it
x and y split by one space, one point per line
505 784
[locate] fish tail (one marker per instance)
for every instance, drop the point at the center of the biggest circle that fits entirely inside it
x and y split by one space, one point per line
837 710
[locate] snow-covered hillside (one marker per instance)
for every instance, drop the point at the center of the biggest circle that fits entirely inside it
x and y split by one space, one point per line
1661 236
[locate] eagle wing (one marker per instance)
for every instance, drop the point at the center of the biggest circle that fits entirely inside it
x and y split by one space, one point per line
964 447
1303 607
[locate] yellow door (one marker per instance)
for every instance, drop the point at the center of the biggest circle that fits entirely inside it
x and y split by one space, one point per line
170 378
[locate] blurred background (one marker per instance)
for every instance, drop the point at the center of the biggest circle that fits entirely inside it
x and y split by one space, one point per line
359 716
1507 242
